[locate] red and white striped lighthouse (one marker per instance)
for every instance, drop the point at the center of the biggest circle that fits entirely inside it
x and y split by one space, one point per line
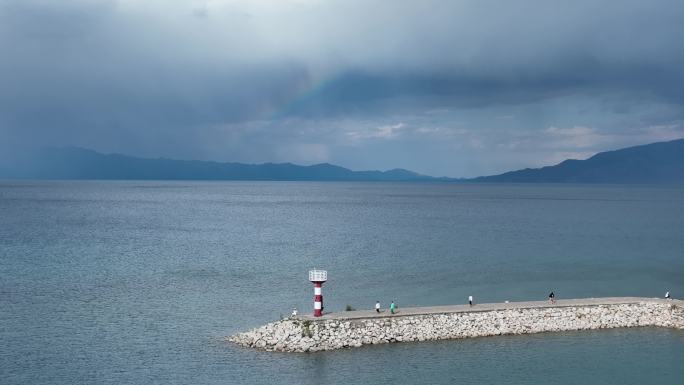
318 277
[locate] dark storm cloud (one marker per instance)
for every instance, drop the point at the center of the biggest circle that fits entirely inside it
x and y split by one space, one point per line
277 80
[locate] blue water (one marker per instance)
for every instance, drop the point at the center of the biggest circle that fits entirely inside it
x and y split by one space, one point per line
138 282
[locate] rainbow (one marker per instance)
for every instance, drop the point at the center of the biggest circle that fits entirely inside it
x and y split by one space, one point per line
308 89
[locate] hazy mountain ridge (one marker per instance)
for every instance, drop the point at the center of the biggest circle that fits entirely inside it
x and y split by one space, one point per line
79 163
661 162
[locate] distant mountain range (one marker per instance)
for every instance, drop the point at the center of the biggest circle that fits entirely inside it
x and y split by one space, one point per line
661 162
79 163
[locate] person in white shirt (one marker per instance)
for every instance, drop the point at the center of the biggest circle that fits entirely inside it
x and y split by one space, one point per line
667 295
377 306
294 312
470 300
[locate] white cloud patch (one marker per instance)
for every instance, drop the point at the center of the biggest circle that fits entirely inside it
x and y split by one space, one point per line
476 143
441 131
575 137
388 131
582 139
505 117
664 132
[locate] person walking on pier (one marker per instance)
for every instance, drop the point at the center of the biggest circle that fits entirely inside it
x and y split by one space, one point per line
552 298
470 300
392 306
377 306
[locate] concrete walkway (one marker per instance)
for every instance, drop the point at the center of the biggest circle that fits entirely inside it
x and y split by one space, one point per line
361 314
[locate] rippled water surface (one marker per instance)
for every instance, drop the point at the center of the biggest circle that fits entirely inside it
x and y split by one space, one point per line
137 282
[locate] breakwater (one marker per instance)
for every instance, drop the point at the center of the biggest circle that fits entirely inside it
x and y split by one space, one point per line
357 328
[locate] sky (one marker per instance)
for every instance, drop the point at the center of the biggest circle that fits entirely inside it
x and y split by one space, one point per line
441 87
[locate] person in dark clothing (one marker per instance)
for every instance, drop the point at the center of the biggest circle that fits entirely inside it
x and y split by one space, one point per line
552 298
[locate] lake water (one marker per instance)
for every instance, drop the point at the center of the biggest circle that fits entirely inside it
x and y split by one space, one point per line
138 282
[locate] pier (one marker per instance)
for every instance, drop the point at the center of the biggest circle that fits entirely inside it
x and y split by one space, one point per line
367 327
447 309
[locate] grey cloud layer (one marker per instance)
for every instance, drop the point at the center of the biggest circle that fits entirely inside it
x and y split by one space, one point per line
312 80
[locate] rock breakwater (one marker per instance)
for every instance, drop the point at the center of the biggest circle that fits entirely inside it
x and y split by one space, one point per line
343 330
